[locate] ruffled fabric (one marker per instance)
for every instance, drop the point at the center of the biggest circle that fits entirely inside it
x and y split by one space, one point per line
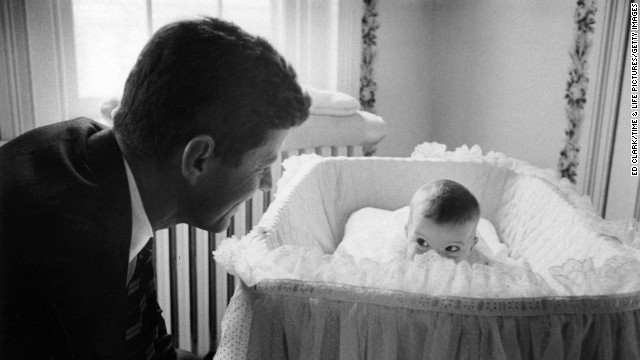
618 275
322 321
428 274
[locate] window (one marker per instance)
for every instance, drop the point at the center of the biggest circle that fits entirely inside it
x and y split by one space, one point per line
108 36
82 50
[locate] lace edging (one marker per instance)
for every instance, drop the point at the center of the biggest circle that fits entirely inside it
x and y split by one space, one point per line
456 305
428 274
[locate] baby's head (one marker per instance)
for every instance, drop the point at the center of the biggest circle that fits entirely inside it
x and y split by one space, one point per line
443 217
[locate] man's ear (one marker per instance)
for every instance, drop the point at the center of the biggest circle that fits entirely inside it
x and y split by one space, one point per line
195 156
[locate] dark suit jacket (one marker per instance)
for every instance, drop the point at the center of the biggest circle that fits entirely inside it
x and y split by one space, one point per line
65 229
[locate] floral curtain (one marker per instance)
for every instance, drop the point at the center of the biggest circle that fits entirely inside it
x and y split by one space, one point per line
576 91
368 84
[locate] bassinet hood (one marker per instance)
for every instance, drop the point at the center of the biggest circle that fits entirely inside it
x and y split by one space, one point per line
540 217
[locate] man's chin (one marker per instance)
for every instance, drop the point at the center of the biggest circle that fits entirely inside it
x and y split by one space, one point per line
219 226
221 223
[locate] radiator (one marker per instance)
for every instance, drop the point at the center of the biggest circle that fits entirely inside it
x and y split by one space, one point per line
193 290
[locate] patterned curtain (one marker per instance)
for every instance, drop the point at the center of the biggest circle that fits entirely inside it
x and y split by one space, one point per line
369 47
576 91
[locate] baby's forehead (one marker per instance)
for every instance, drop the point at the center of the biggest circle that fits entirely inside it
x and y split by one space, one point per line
447 212
449 225
440 234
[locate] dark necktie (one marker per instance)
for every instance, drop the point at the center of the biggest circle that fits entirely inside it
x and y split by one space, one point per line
146 335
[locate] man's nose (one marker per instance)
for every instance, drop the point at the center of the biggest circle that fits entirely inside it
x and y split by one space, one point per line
266 182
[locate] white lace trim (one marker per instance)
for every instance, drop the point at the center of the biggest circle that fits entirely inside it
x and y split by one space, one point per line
429 274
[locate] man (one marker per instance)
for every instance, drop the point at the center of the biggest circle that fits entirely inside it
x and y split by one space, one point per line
203 115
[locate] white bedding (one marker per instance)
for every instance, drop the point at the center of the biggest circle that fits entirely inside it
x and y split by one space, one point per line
379 235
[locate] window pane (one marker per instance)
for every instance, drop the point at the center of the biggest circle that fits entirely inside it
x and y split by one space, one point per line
254 16
166 11
108 36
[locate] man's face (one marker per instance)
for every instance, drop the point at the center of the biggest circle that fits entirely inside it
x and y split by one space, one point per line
453 241
214 200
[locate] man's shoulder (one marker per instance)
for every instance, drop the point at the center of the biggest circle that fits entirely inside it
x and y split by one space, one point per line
56 153
44 136
63 138
59 170
64 187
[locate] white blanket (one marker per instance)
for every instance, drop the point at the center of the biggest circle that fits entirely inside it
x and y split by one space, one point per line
379 235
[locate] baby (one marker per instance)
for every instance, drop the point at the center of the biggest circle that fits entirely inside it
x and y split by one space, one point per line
443 216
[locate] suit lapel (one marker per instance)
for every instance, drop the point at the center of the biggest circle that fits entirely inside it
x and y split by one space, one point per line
105 160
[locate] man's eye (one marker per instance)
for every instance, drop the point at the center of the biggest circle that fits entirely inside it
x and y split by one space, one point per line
263 170
422 242
453 248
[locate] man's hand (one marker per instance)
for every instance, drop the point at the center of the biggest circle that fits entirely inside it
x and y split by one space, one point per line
185 355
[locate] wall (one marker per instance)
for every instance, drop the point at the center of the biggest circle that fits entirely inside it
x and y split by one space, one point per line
489 72
401 71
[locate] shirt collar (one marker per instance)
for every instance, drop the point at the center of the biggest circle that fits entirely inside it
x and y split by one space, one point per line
141 229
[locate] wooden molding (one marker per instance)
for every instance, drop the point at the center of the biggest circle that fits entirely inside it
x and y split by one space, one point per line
605 102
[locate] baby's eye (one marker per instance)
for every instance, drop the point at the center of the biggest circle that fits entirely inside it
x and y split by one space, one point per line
422 242
452 248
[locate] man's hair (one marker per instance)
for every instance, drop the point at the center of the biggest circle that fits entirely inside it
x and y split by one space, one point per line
446 202
207 76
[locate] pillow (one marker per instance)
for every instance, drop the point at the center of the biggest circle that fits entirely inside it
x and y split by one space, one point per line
325 102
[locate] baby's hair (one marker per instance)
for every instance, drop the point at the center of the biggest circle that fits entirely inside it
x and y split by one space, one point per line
446 202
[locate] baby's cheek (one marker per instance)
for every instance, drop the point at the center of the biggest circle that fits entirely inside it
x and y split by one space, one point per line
411 251
465 255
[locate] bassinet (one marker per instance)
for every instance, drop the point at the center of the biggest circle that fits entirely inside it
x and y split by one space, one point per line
583 301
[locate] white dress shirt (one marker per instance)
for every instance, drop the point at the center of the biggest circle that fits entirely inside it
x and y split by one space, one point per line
141 229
